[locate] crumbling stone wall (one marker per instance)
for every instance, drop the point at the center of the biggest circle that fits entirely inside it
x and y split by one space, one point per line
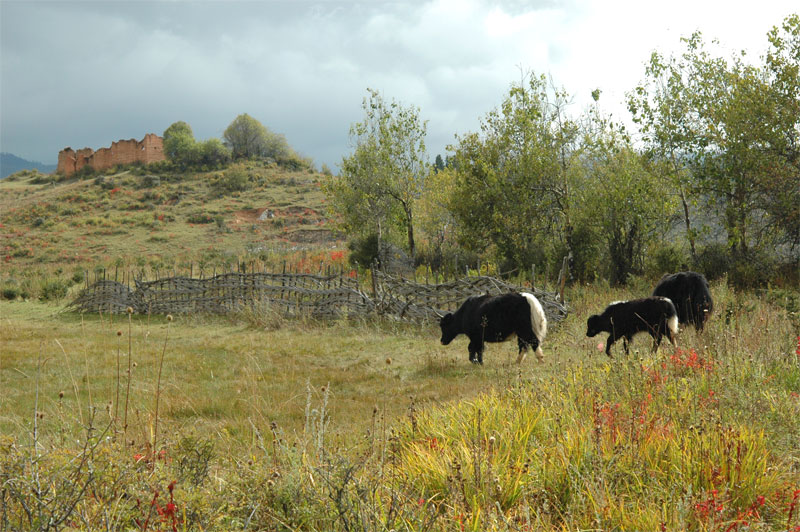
148 150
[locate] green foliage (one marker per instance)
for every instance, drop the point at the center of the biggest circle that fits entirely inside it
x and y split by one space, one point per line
731 132
182 150
200 218
180 147
214 154
713 261
625 200
514 180
363 250
234 179
383 178
757 268
586 253
663 258
150 181
53 289
9 291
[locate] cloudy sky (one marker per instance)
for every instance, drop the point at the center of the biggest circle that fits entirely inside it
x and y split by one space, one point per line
88 73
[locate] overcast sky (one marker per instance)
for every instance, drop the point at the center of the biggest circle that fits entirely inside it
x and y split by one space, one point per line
87 73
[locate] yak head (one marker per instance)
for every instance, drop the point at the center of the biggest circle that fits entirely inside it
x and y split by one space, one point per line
448 326
594 325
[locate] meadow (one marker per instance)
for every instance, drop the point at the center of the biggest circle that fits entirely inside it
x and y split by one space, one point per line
255 422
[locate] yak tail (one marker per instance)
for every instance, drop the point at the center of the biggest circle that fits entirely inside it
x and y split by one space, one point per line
672 323
538 321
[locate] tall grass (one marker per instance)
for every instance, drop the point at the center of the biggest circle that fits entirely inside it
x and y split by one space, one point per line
271 424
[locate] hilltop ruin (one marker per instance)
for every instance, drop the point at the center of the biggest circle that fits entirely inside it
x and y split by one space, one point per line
148 150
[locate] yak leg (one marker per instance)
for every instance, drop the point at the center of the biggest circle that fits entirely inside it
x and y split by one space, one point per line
609 342
656 341
523 349
625 342
527 337
476 352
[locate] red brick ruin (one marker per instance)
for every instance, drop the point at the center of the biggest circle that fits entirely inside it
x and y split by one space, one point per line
149 150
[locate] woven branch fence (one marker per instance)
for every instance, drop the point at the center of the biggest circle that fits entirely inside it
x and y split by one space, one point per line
321 296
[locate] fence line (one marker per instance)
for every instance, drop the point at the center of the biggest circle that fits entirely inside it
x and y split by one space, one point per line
322 296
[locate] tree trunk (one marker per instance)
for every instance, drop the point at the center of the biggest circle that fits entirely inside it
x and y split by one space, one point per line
687 220
410 227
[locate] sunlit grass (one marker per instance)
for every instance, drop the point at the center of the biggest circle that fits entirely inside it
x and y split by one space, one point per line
275 424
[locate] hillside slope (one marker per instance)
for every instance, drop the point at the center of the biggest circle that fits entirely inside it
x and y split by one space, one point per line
139 219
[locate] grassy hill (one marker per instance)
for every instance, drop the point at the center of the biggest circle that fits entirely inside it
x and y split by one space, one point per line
137 220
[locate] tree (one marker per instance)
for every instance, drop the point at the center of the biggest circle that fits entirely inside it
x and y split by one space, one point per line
438 164
730 130
179 145
246 137
382 179
214 154
781 176
624 200
515 178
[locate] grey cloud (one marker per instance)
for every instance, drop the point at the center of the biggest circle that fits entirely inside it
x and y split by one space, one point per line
89 73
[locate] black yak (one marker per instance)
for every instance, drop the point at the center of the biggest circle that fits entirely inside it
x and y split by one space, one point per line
690 294
495 319
654 315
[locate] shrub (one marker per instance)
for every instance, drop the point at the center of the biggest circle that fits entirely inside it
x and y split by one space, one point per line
77 277
53 290
235 179
665 258
364 250
200 218
757 268
150 181
713 261
9 292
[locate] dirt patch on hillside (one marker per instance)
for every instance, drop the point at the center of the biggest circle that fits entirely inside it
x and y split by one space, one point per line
263 213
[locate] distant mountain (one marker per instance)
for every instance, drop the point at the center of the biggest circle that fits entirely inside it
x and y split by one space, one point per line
11 164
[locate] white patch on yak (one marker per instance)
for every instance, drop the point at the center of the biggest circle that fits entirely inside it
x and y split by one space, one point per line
538 323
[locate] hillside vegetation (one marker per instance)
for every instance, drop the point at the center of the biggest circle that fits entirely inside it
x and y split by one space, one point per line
142 219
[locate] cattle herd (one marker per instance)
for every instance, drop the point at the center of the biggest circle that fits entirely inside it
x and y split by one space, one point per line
682 297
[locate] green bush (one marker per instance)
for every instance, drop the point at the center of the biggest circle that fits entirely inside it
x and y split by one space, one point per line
665 258
77 277
585 254
53 290
713 261
150 181
363 250
9 292
235 179
756 268
200 218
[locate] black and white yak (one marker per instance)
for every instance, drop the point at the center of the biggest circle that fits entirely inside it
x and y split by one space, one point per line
690 294
496 319
623 319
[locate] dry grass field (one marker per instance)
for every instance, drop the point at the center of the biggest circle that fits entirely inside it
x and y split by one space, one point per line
253 422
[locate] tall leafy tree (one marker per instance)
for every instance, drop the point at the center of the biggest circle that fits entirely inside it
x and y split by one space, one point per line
514 177
382 179
730 130
246 137
781 175
180 146
625 201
